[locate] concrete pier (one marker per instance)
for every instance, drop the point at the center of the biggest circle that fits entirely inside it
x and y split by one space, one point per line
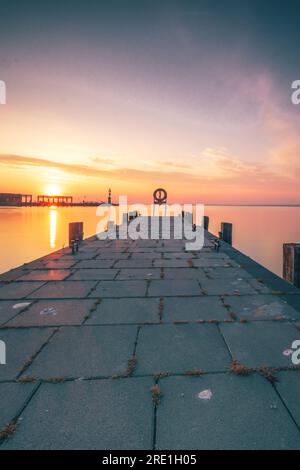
144 345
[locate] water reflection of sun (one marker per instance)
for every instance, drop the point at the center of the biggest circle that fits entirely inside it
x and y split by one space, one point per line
53 224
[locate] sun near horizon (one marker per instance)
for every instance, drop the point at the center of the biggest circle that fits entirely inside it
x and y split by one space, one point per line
52 190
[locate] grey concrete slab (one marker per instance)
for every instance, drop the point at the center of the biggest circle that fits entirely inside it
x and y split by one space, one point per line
130 288
243 413
21 345
135 249
45 275
260 286
193 309
85 252
253 268
148 243
13 397
171 263
214 263
79 256
227 273
19 290
92 247
53 312
180 348
288 386
179 255
260 307
38 264
212 255
57 255
112 249
139 273
9 309
150 255
114 311
257 344
112 255
88 351
276 284
205 249
168 248
98 414
134 263
174 287
61 264
93 274
292 300
184 273
13 274
95 264
64 290
227 287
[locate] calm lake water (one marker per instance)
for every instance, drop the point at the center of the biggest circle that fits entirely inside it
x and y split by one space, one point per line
30 232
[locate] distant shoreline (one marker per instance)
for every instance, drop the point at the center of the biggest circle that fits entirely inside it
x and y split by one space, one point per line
253 205
148 204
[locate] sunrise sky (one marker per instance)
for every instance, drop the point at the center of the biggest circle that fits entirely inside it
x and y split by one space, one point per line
193 96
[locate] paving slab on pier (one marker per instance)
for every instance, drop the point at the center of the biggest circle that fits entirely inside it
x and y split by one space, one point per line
256 344
90 351
98 414
242 413
53 312
11 308
18 290
205 308
22 346
125 311
143 345
178 349
13 397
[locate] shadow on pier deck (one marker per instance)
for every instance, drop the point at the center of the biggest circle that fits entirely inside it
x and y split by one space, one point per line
141 345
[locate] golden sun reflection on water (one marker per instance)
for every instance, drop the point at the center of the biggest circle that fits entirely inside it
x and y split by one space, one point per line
53 226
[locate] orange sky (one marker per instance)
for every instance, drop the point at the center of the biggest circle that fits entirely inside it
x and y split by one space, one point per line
40 150
163 104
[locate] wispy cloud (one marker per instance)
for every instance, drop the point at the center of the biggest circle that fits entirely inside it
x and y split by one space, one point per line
230 166
214 164
175 165
21 162
103 161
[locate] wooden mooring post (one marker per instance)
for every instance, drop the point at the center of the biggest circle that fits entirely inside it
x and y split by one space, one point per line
75 233
205 222
226 232
291 263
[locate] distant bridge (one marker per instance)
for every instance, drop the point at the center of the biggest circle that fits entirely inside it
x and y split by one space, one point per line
12 199
44 200
21 200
